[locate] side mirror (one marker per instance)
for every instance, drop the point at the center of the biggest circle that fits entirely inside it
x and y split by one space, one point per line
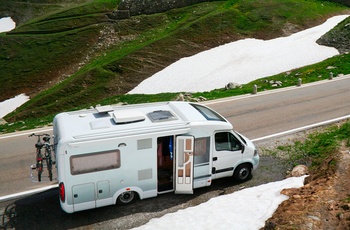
243 148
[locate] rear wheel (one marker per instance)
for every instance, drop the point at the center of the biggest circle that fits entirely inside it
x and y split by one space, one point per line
242 173
39 175
126 198
40 169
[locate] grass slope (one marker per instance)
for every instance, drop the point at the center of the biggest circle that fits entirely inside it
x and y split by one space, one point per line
75 56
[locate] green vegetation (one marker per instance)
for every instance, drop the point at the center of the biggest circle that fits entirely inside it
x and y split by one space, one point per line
70 55
318 147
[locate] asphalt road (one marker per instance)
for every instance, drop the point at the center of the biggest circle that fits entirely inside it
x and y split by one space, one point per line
252 115
17 153
286 109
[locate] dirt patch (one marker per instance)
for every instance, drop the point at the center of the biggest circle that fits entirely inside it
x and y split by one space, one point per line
324 201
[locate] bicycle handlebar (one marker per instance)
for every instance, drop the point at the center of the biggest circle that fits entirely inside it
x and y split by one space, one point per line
38 135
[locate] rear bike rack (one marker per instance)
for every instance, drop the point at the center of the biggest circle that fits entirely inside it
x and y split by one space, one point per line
44 175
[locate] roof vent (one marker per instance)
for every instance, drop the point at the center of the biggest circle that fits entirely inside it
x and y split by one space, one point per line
161 115
104 109
128 116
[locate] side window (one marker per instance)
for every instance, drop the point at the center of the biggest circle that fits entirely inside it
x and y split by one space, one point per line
225 141
201 150
235 143
94 162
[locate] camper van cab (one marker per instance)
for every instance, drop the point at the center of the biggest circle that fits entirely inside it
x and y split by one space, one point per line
115 154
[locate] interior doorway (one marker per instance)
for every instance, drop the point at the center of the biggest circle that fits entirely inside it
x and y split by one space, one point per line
165 163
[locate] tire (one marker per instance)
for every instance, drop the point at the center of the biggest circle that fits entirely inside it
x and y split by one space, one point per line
40 170
126 198
50 175
242 173
49 168
39 176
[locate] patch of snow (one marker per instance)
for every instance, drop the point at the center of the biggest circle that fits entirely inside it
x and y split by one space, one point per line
241 62
6 24
245 209
10 105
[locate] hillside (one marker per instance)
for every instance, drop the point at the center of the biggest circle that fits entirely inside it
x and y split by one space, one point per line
69 54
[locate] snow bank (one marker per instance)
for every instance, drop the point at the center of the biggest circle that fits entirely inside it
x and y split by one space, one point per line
246 209
11 104
241 62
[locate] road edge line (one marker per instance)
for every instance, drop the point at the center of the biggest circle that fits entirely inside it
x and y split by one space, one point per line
302 128
26 193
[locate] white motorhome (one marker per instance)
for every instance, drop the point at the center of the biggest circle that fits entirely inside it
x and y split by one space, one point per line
114 154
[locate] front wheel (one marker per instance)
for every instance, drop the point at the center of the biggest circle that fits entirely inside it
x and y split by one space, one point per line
126 198
49 167
50 175
242 173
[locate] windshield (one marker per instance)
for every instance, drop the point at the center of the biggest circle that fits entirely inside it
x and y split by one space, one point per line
209 114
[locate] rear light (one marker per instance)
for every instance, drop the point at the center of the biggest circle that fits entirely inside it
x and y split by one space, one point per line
62 192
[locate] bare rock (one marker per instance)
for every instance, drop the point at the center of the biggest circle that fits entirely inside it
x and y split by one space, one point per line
232 85
299 170
2 121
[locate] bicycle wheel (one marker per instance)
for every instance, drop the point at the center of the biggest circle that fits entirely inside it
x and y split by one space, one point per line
48 162
40 169
50 175
49 167
39 175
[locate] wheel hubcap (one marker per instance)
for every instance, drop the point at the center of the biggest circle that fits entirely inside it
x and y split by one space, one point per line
126 197
243 173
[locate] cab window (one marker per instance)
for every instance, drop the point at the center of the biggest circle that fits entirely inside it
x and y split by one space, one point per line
226 141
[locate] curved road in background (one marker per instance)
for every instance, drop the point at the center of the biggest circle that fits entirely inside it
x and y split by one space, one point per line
276 111
254 116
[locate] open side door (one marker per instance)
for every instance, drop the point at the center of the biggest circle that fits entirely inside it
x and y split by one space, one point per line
184 165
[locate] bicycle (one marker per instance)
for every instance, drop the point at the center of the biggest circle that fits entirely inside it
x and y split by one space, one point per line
47 154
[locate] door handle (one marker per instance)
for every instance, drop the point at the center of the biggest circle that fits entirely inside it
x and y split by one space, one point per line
215 158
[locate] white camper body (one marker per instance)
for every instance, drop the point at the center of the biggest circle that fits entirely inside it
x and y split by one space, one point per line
113 154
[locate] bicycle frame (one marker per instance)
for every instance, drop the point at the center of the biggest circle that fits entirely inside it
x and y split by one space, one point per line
43 140
47 155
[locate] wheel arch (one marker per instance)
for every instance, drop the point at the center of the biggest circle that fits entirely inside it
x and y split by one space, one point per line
138 192
236 175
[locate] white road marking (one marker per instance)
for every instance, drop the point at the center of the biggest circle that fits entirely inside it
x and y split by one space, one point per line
25 133
26 193
302 128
